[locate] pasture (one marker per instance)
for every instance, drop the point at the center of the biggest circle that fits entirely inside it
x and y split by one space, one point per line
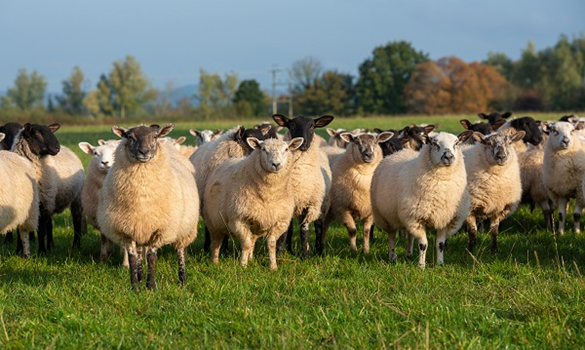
528 295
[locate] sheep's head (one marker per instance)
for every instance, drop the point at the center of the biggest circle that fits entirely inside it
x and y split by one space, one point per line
204 136
562 135
269 130
104 153
444 148
274 154
302 126
335 137
392 145
40 139
365 145
414 136
498 147
10 130
533 134
242 135
142 142
494 116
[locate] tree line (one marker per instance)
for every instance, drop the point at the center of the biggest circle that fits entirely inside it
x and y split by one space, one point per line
395 79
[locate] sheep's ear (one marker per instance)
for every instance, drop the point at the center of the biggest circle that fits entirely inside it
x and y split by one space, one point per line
162 140
101 142
323 121
384 136
346 136
239 134
404 132
281 120
573 119
180 140
517 136
86 147
479 137
264 129
580 126
2 136
218 132
378 130
120 132
507 115
194 132
425 139
464 136
331 132
465 123
497 124
482 115
54 127
165 130
253 142
295 143
429 128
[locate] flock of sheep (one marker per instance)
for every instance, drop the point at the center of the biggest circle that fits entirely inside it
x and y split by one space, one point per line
145 190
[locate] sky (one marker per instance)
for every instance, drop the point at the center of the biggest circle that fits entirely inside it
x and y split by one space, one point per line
173 40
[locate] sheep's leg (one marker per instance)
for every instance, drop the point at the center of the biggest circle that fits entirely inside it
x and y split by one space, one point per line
79 223
409 245
9 238
151 260
471 232
181 260
19 244
24 238
215 247
562 203
224 244
207 242
139 268
285 239
133 261
49 233
347 221
271 243
324 228
418 231
251 254
494 225
105 247
547 213
577 217
124 252
319 236
368 224
247 246
392 245
304 237
372 230
42 231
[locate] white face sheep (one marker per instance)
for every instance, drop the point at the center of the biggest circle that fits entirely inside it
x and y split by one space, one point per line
422 190
563 169
493 180
250 197
204 136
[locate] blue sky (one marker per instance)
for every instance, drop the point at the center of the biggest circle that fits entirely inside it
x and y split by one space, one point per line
174 39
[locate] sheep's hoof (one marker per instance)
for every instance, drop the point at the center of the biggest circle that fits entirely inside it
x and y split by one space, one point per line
422 266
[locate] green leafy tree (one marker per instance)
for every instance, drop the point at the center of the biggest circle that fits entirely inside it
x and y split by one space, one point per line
305 72
214 94
71 102
28 92
332 93
383 77
249 100
503 64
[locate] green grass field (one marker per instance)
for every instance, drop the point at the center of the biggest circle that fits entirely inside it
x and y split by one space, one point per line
528 295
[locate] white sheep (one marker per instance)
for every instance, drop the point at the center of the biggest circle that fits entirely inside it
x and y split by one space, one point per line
149 198
19 196
563 169
250 197
204 136
352 174
493 180
102 160
60 177
422 190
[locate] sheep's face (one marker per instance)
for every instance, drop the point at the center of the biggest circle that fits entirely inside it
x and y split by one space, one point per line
444 148
335 138
484 128
494 116
104 153
533 134
414 136
142 142
302 126
242 135
204 136
40 139
274 154
498 148
562 135
10 130
365 145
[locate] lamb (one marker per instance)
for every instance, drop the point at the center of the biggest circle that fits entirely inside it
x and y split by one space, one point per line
210 155
420 190
311 180
493 176
563 169
60 177
19 196
102 160
247 197
351 179
149 198
204 136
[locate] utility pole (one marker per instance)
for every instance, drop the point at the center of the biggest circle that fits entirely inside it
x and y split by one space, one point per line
274 70
290 94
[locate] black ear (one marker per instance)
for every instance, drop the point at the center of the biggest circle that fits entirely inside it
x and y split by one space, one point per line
483 115
498 123
323 121
378 130
120 132
477 136
465 123
464 136
54 127
165 130
239 134
281 120
506 115
428 129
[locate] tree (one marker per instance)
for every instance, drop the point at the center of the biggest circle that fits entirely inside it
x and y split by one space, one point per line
383 77
332 93
28 91
71 102
214 94
250 100
503 64
305 72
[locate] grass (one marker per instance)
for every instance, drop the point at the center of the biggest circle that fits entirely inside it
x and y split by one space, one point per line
528 295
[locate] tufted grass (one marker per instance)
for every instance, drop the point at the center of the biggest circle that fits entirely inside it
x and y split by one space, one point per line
528 295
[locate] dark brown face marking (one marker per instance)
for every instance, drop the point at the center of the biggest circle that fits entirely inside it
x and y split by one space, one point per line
142 143
41 139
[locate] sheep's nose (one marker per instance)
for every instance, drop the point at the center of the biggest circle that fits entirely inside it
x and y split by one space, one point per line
448 156
276 165
105 163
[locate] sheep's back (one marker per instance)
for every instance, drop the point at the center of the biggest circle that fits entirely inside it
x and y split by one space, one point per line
70 177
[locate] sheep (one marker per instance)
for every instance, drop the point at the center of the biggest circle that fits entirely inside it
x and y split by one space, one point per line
311 180
247 197
204 136
149 198
392 145
413 136
494 116
532 132
493 177
60 177
421 190
19 196
484 128
563 169
10 130
208 156
102 160
185 150
533 189
350 187
335 136
269 130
